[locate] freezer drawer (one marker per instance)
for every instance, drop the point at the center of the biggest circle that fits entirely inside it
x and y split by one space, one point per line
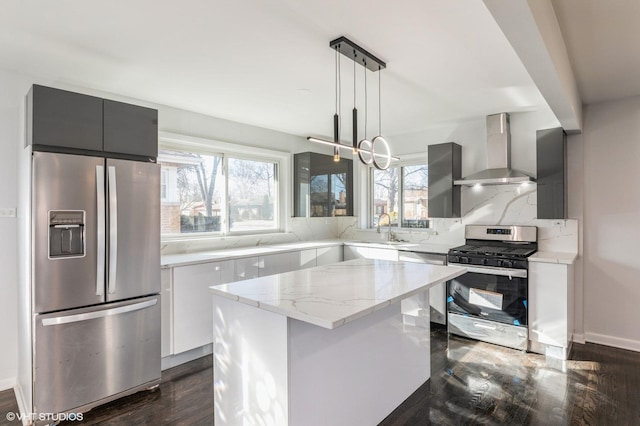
512 336
83 356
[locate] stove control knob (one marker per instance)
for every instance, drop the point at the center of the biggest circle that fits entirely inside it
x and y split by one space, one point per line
485 261
454 259
507 264
499 262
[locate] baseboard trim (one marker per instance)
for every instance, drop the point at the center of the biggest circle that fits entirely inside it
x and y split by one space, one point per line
579 338
616 342
22 405
184 357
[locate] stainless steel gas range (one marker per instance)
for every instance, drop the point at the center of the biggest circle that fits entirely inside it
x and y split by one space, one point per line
489 302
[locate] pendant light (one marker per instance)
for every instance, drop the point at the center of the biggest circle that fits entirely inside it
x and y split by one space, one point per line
355 110
336 116
368 151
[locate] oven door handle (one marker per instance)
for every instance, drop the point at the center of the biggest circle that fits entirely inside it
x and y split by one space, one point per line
488 270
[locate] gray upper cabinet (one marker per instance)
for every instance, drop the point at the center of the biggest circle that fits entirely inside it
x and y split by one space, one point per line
322 187
445 166
130 129
58 118
61 120
551 159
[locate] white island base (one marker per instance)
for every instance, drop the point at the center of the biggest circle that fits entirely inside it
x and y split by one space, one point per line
272 369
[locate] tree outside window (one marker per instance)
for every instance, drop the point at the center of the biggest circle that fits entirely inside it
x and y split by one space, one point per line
402 193
193 192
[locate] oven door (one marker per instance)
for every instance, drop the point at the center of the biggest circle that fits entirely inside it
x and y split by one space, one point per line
492 294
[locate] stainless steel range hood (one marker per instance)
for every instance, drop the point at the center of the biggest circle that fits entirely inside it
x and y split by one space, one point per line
499 169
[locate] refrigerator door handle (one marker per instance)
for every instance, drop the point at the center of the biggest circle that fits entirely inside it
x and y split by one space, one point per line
100 230
113 230
98 314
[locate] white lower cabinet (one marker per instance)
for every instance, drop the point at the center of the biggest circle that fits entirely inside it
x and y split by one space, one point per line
306 259
278 263
166 313
551 308
192 303
362 252
245 268
328 255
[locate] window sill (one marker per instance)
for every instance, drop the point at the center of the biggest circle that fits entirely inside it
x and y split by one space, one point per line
180 245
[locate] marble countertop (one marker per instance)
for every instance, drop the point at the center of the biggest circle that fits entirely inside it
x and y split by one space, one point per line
183 259
171 260
436 248
566 258
332 295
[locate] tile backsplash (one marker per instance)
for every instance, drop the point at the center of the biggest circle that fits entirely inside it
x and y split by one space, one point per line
484 205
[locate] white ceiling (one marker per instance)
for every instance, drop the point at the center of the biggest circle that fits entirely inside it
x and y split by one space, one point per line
268 63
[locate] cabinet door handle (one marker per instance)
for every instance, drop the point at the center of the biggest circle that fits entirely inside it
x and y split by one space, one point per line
66 319
488 327
100 230
113 230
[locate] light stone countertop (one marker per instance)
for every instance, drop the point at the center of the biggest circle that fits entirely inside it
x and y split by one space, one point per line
437 248
566 258
332 295
171 260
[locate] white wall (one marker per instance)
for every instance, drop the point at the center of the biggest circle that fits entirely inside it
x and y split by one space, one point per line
612 222
13 89
575 176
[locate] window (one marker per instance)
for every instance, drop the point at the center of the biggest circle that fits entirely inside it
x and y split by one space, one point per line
401 192
252 194
385 196
209 192
163 184
322 186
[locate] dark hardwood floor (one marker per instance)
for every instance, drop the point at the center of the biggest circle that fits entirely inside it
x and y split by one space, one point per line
471 383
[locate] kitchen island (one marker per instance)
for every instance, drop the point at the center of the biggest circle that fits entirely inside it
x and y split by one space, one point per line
344 343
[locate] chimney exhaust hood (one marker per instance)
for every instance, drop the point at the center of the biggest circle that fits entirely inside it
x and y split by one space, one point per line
499 171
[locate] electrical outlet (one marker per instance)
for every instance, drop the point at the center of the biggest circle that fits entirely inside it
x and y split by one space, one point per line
8 212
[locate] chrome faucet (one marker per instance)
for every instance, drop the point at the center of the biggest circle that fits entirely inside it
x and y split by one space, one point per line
388 224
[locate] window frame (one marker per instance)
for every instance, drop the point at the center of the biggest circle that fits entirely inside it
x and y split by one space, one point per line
407 160
211 147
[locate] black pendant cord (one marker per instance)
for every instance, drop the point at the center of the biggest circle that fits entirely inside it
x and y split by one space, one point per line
339 95
338 115
366 101
379 103
354 142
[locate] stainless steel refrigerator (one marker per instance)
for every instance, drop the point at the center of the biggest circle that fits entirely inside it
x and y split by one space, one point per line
95 279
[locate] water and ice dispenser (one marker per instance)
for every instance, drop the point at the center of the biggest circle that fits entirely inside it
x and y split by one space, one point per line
66 233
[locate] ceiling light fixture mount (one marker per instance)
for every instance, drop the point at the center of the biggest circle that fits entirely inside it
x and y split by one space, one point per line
364 148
